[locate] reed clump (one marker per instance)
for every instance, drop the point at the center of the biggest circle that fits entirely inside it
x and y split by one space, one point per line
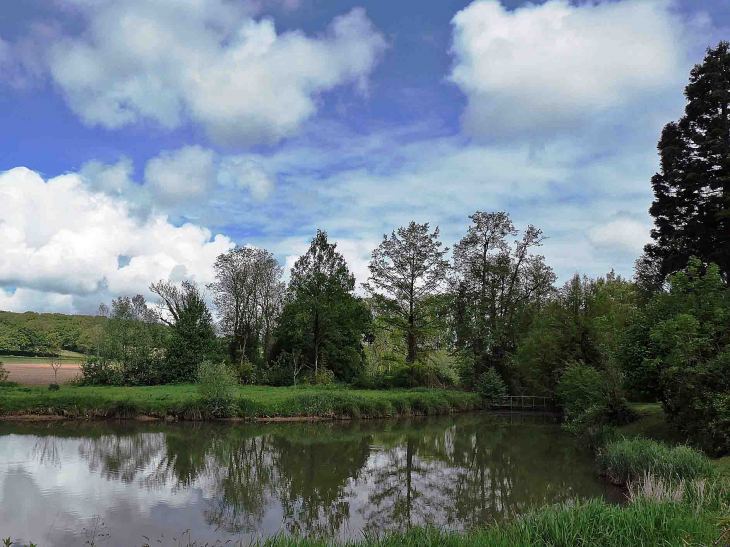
629 460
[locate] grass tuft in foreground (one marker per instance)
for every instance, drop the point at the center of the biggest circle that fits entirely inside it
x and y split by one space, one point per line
628 460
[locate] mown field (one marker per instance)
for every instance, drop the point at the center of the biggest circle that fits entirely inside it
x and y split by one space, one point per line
182 401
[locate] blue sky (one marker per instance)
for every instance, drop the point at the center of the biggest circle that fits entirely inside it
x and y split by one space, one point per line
142 138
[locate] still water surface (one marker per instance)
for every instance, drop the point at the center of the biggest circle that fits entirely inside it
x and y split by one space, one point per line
243 481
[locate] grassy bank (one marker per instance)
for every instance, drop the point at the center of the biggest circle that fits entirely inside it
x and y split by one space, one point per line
651 424
182 401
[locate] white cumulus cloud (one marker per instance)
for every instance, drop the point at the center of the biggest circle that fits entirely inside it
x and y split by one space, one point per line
621 234
62 242
181 175
208 61
182 182
559 64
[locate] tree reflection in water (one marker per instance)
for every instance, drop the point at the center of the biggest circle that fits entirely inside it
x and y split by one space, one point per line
454 471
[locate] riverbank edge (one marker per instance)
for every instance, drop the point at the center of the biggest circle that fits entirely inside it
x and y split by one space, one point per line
262 419
181 403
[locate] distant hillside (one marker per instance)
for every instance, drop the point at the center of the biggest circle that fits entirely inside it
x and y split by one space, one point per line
28 333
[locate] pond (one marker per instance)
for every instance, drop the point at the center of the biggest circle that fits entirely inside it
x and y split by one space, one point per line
62 483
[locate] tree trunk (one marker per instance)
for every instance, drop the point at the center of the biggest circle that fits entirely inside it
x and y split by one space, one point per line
411 358
316 343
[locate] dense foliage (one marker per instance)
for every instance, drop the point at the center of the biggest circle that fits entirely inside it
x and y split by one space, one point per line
322 319
491 387
130 347
192 337
29 333
679 348
217 389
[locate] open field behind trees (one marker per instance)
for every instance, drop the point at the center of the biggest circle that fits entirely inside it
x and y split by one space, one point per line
36 371
183 402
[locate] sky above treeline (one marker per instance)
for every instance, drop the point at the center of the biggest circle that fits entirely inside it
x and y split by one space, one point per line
142 138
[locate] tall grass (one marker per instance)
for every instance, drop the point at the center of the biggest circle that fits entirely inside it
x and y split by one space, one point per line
629 460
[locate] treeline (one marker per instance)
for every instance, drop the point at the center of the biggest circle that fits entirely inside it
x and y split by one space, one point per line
33 333
422 321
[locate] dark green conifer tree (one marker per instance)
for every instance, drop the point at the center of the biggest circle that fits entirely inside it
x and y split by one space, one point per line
691 208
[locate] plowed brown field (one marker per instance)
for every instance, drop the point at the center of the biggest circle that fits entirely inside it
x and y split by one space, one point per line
39 373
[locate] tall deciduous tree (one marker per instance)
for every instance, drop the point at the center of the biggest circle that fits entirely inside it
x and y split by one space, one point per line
192 336
406 269
247 294
493 284
322 312
691 208
133 337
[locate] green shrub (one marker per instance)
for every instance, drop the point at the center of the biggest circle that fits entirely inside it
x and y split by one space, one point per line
3 372
217 389
244 371
324 377
593 403
364 380
580 388
491 387
123 409
628 460
102 372
247 407
53 387
443 369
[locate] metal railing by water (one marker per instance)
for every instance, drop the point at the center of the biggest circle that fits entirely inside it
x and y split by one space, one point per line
526 402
